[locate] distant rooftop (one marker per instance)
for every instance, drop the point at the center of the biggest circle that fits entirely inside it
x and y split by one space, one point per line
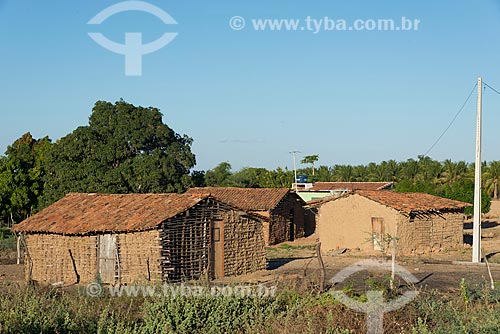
348 186
251 199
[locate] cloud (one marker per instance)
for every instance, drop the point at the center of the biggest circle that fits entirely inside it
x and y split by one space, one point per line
241 141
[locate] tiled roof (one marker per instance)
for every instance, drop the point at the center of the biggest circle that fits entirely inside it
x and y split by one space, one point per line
86 213
404 202
350 186
250 199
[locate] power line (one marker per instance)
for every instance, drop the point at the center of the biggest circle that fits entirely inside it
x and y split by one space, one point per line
452 121
493 89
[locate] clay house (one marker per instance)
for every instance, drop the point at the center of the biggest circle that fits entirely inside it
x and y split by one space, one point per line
363 219
312 191
122 239
281 209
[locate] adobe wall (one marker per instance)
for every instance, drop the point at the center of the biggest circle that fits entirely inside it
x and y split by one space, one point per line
347 222
244 250
49 256
139 254
186 242
279 229
431 233
49 261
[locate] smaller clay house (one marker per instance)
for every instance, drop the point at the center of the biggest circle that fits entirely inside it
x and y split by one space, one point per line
363 219
281 209
132 238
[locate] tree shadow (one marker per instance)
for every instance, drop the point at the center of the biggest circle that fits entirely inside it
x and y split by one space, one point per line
488 256
484 224
273 264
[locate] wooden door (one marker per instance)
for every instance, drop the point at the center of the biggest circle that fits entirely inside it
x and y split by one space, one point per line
217 249
378 231
107 258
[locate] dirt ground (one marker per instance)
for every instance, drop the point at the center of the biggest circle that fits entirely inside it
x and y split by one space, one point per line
296 262
442 271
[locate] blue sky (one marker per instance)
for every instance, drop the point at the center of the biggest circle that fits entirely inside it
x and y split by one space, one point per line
249 97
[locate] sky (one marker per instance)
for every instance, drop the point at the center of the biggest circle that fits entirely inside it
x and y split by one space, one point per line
250 96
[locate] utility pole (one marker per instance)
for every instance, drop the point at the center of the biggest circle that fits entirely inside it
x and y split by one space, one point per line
294 168
476 234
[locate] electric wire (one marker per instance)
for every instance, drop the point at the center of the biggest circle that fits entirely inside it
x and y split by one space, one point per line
493 89
452 121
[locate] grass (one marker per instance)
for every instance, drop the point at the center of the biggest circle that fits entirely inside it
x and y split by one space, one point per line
473 308
289 251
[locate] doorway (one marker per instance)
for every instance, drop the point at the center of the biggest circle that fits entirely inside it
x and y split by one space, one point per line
106 262
217 249
378 231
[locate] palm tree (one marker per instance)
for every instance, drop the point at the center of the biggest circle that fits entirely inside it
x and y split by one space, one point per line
430 170
490 178
375 172
310 159
343 173
392 170
410 170
454 171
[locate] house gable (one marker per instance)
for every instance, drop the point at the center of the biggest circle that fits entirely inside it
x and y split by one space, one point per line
347 222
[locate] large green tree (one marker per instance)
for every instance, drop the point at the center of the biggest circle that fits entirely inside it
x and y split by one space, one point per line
124 149
21 177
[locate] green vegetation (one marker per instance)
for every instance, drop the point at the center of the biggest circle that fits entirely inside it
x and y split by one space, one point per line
472 309
454 180
310 159
128 149
22 170
124 149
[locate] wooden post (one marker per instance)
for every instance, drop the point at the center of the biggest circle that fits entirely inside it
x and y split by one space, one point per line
492 282
19 249
73 263
393 264
322 267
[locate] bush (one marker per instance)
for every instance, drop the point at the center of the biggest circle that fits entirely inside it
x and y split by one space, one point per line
474 308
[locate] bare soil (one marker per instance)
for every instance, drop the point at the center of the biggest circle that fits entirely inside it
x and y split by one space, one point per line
296 261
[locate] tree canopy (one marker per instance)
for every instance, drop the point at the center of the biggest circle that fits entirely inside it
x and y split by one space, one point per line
124 149
310 159
128 149
21 177
448 179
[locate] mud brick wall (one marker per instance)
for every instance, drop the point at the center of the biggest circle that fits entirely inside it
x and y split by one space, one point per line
266 225
244 250
427 233
186 242
139 254
48 258
279 227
